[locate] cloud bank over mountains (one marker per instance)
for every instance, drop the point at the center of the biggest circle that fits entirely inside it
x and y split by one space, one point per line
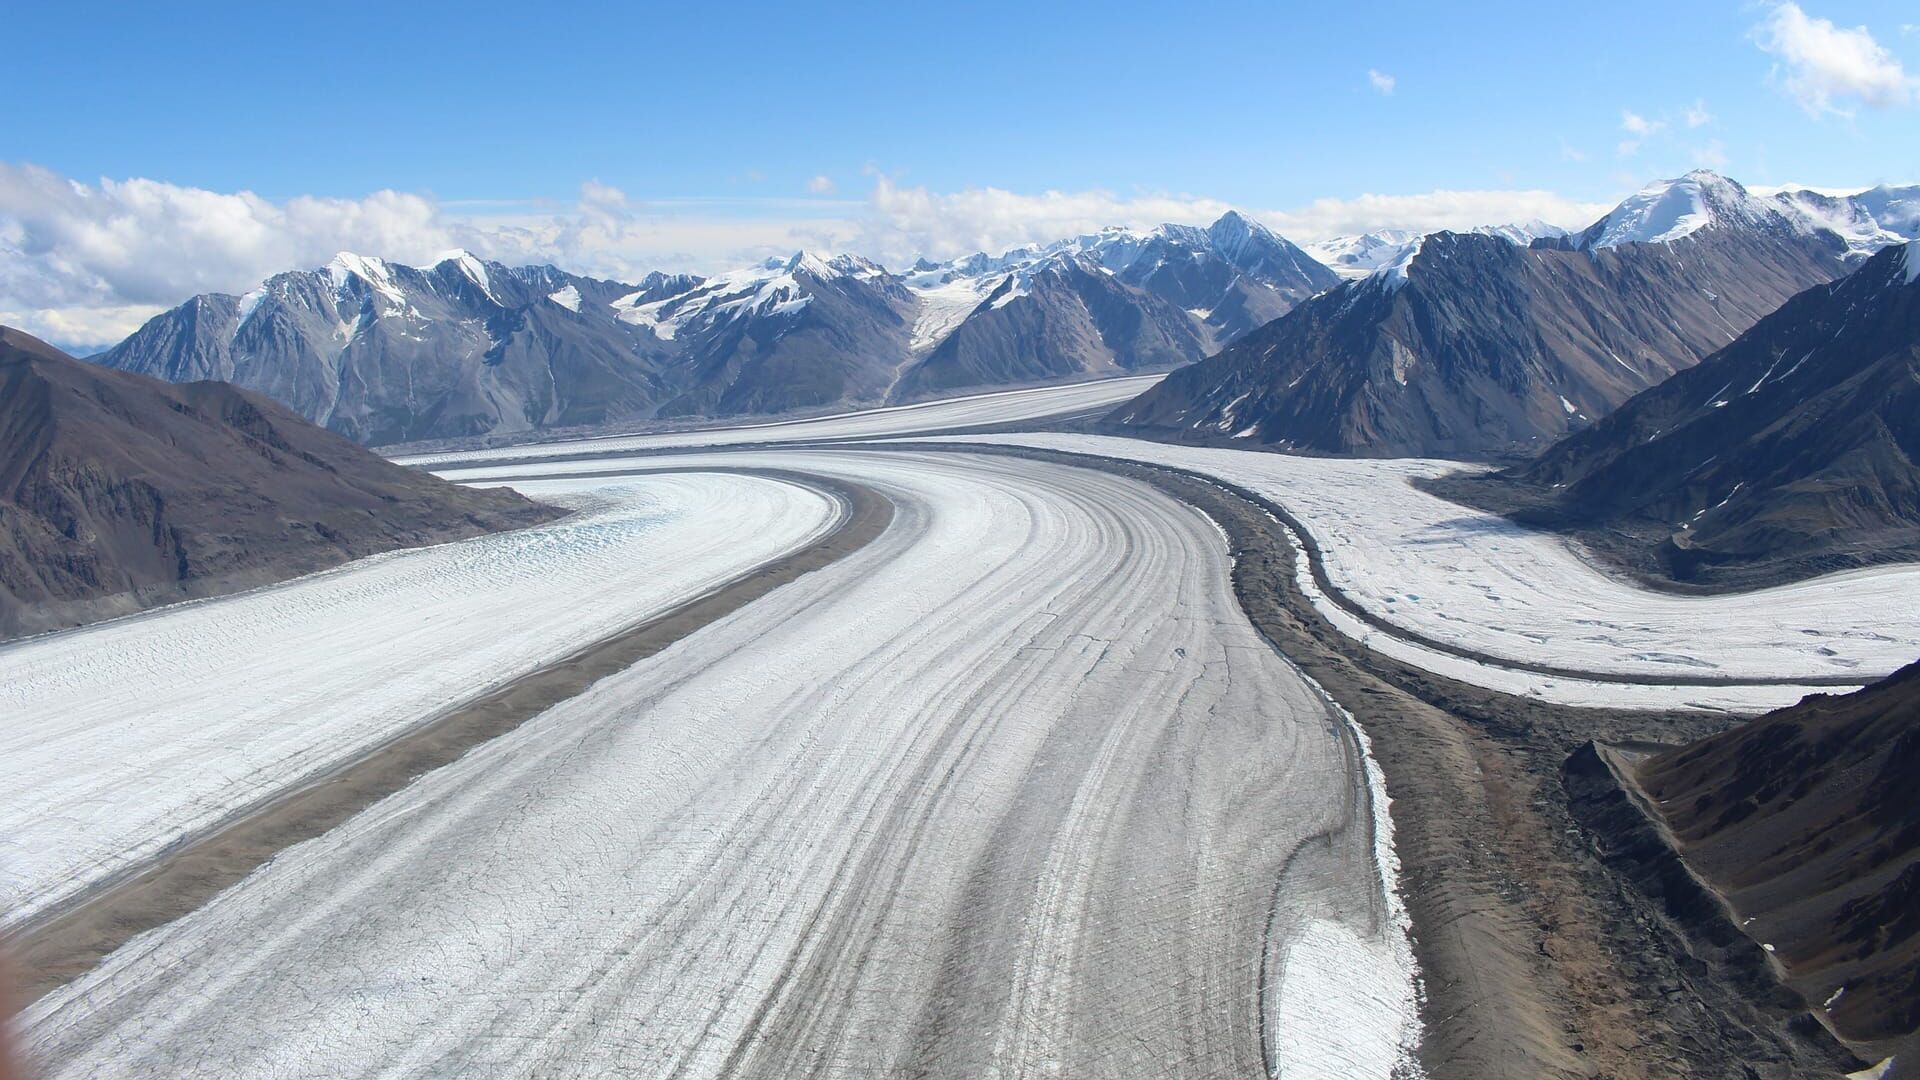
86 263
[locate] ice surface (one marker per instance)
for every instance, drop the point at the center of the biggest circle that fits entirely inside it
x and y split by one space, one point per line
124 736
1476 581
1007 791
568 298
999 407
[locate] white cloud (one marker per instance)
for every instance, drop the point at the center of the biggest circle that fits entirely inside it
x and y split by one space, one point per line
1429 211
595 193
86 263
116 247
1569 152
1711 156
906 222
820 185
82 328
1639 129
1697 115
1381 81
1636 124
903 222
1821 64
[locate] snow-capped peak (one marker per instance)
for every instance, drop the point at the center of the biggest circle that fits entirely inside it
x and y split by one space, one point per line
1358 256
346 267
453 255
1868 221
1669 210
803 262
250 303
1521 233
365 267
856 266
1118 248
1234 228
1394 274
469 265
769 289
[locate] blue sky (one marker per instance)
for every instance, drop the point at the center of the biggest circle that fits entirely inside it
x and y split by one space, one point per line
724 131
1262 104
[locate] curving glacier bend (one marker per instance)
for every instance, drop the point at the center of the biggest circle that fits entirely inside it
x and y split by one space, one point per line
1015 788
1479 581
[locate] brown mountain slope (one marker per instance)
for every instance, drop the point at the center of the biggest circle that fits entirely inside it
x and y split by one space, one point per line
1789 453
119 492
1808 821
1476 347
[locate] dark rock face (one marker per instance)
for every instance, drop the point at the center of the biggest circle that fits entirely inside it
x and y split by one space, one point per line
1808 821
118 491
1473 346
1793 450
1764 1018
384 353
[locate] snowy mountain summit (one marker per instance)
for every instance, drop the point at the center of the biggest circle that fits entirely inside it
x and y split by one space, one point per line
1359 255
1230 276
1668 210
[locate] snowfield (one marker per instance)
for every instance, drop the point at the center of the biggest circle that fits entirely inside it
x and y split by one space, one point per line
978 410
1014 789
125 736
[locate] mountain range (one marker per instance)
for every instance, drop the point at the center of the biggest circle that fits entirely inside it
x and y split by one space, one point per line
1469 345
1497 340
386 353
119 492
